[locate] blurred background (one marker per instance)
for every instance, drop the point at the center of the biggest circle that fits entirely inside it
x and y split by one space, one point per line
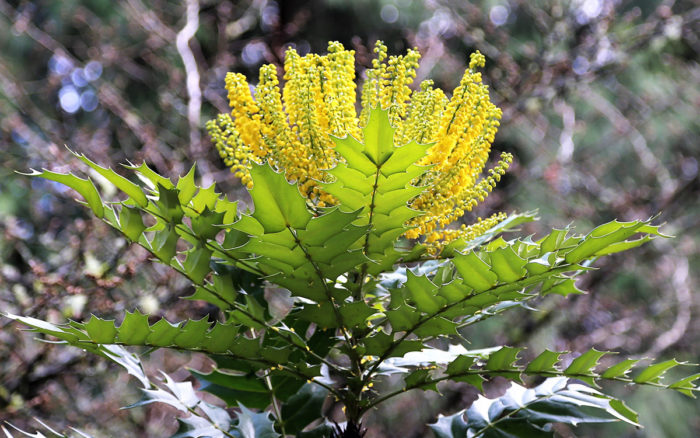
600 101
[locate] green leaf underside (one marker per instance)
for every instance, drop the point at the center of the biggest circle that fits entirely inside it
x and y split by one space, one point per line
530 412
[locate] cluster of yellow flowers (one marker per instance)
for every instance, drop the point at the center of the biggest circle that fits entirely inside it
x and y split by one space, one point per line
291 130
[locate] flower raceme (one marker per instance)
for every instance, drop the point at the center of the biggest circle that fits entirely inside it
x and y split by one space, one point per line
292 130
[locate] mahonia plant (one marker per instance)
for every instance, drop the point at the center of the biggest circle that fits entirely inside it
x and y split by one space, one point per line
354 215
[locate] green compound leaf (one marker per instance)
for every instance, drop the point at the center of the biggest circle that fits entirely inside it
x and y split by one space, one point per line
84 187
480 283
194 335
469 366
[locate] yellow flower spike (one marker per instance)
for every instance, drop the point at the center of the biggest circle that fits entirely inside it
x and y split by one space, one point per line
245 112
290 127
423 115
339 91
372 88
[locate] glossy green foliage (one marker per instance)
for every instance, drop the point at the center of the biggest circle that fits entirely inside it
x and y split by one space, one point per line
376 180
303 253
431 366
135 330
469 286
321 302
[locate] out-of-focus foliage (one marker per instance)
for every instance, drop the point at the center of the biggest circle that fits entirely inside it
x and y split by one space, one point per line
600 110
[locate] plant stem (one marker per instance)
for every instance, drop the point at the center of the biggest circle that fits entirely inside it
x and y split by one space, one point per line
357 295
275 405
